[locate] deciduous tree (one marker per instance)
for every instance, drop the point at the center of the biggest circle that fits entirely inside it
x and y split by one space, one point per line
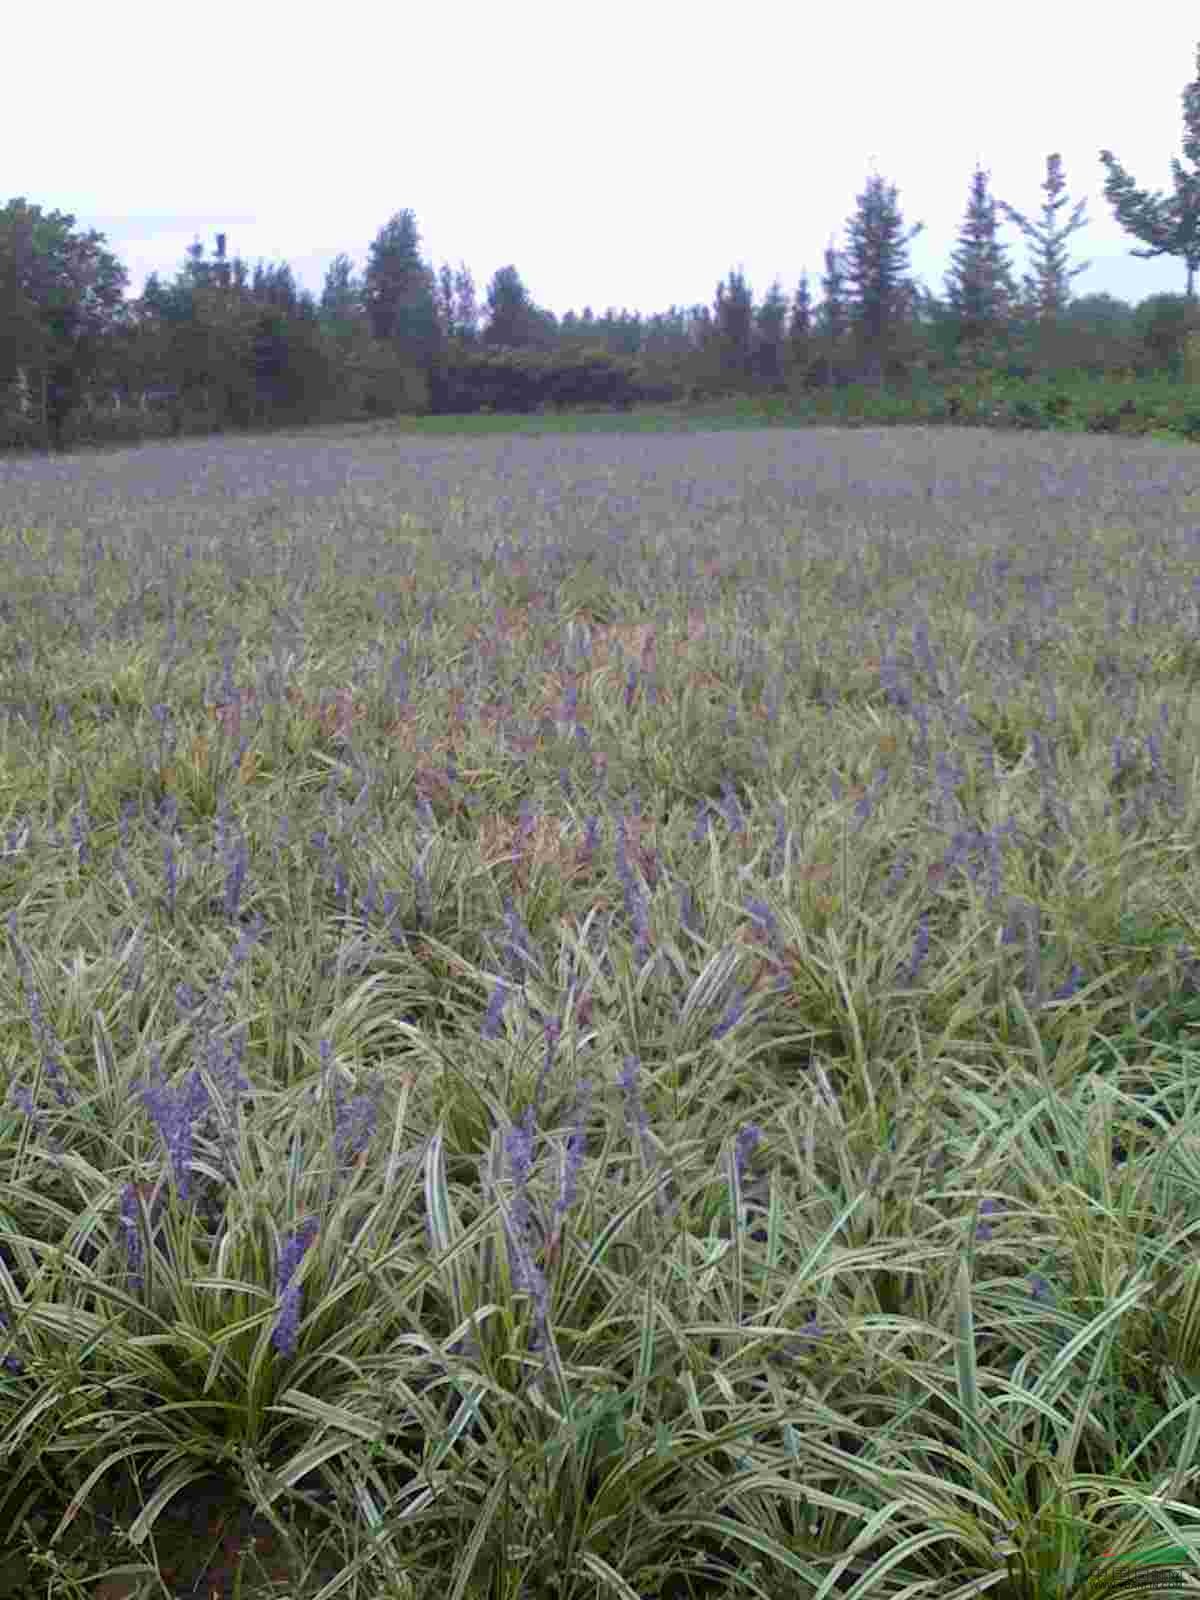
61 294
513 319
400 292
1168 226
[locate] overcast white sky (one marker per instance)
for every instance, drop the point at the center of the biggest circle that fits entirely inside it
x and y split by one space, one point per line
625 155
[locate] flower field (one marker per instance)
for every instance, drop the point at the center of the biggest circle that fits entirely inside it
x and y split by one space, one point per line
599 1014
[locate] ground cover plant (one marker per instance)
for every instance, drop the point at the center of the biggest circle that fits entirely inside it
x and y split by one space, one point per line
598 1014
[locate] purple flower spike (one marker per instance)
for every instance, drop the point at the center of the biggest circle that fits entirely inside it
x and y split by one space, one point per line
495 1010
519 1145
173 1113
294 1250
576 1150
919 951
133 1244
733 1015
744 1148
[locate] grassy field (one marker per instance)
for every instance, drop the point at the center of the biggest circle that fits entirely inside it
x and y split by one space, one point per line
599 1011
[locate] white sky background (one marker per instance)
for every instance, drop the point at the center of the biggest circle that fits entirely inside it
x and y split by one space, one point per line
627 155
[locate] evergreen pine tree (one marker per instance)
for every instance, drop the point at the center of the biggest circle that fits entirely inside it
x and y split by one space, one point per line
877 258
980 289
834 319
1046 290
733 319
800 326
770 321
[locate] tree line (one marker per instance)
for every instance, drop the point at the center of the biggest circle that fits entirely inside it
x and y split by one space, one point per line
221 346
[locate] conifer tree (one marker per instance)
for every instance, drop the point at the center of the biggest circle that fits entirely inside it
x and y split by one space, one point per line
444 300
800 326
834 318
770 321
1046 292
342 301
733 317
980 289
876 260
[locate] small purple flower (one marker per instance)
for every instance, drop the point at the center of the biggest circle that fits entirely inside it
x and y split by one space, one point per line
12 1364
425 812
79 836
731 808
171 869
733 1015
133 1241
896 876
240 954
988 1208
552 1029
518 1144
744 1147
225 1065
51 1048
779 852
1073 984
919 951
235 877
576 1149
761 912
519 943
291 1255
1039 1289
355 1128
527 1275
495 1010
24 1101
173 1113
